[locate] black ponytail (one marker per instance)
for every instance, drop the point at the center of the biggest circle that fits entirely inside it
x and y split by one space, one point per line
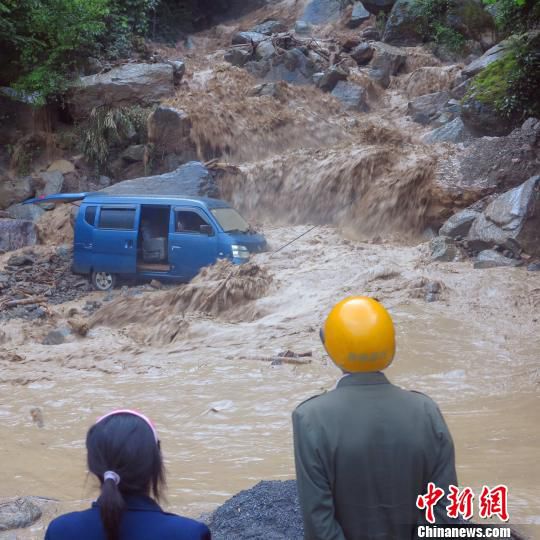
111 505
125 445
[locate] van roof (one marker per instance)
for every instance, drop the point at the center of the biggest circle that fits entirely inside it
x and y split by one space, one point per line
154 198
100 197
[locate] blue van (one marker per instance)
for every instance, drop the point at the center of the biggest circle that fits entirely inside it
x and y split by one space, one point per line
154 236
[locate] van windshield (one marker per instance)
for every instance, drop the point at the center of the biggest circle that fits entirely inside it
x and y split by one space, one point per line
230 220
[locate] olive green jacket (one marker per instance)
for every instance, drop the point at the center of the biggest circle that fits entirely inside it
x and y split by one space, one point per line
363 454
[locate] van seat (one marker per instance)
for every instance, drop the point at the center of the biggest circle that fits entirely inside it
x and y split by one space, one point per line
154 249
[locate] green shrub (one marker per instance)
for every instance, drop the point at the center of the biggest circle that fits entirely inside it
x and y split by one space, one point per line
515 16
511 83
110 127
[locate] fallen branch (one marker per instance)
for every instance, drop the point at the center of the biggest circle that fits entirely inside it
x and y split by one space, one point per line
23 302
278 360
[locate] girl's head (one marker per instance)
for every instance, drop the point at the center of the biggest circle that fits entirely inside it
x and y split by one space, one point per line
124 453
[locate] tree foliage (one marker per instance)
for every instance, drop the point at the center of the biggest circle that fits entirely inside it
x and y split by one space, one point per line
42 42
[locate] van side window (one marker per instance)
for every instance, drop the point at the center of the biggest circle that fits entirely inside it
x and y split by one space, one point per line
187 221
90 215
117 218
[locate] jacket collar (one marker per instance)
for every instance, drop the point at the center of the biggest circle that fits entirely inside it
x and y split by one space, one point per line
371 377
142 503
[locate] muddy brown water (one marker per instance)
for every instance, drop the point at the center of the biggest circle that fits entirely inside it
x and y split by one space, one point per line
223 412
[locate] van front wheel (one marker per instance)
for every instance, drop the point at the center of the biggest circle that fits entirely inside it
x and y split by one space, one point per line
103 281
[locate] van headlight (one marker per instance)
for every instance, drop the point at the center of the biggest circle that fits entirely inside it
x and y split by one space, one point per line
240 252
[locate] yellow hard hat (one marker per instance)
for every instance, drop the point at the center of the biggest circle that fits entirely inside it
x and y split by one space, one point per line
359 335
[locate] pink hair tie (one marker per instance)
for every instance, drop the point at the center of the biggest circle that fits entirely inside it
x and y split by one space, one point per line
134 413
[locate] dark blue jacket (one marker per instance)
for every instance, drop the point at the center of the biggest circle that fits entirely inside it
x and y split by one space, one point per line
142 520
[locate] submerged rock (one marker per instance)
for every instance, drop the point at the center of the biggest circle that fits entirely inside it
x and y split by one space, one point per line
362 53
269 510
444 249
351 95
387 61
490 258
424 109
329 78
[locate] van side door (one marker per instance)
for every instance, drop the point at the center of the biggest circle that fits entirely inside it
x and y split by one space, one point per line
193 241
115 239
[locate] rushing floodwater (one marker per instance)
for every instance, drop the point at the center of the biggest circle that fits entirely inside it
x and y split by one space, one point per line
223 415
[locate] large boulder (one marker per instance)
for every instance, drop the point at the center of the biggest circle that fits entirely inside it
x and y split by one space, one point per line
387 60
491 55
192 179
248 38
506 162
49 183
323 11
359 15
489 258
482 118
293 67
351 95
444 249
329 78
269 510
17 233
130 84
18 513
169 131
459 224
402 26
470 19
376 6
26 212
424 109
511 219
451 132
15 190
362 53
238 56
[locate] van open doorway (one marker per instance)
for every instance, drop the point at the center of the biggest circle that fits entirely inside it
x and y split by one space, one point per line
153 249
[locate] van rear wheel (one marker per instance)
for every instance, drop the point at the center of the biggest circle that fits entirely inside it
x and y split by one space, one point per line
103 281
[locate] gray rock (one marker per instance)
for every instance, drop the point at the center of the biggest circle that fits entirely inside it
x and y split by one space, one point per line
52 183
483 119
534 267
358 16
18 513
351 95
269 510
511 219
444 248
490 56
270 27
26 212
130 84
329 78
303 27
264 50
15 190
459 224
323 11
238 57
387 60
490 258
402 26
424 109
191 179
272 89
247 38
169 131
459 91
362 53
179 70
453 132
17 233
293 67
56 337
134 153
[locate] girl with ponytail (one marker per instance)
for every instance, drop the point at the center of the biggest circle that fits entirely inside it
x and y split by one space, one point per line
124 453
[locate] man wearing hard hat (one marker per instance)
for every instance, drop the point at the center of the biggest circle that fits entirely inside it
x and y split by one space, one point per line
366 450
